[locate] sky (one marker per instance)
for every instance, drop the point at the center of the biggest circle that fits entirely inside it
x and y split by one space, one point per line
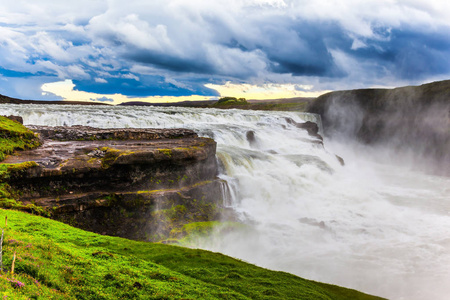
115 51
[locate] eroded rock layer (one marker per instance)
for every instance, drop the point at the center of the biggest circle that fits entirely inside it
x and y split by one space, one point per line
134 183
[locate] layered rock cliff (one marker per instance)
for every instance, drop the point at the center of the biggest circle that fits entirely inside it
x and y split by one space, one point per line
134 183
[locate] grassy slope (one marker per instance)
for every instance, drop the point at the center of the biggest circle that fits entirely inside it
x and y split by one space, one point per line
56 261
15 136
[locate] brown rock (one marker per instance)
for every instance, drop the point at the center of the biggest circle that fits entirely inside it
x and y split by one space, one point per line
310 127
115 181
18 119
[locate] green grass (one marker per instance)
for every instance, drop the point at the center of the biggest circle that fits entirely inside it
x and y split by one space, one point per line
188 234
15 136
9 196
56 261
13 128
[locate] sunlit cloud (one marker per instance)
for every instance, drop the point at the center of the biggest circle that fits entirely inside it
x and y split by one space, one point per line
265 91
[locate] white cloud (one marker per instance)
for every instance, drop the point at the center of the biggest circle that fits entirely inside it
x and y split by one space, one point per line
358 44
235 62
176 83
359 16
46 45
130 76
64 72
100 80
265 91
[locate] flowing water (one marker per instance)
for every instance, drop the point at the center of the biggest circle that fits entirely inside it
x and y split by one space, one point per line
372 225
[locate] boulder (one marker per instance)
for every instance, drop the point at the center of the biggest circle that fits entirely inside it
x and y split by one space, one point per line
311 127
251 137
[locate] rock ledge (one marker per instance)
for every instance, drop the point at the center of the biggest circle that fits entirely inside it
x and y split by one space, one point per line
128 182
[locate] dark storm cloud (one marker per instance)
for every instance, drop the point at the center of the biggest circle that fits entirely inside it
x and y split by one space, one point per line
420 54
303 52
280 46
170 62
409 54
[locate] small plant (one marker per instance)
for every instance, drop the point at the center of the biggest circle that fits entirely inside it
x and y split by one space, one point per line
166 152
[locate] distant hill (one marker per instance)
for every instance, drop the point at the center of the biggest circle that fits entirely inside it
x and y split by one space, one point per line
285 104
6 99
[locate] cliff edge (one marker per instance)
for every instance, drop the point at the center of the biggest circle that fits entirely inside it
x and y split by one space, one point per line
413 118
133 183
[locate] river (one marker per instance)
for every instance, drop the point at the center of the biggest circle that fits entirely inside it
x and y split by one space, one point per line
374 224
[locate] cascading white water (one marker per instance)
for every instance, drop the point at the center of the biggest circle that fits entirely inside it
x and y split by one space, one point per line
376 227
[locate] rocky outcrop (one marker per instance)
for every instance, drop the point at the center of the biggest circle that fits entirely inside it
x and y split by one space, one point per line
86 133
18 119
123 182
311 127
414 118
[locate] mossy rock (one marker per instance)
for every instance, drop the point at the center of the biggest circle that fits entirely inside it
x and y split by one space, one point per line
15 136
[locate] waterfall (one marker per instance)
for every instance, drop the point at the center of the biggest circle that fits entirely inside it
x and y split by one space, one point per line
371 225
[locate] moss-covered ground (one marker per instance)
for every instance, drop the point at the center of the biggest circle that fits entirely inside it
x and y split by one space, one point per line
56 261
15 136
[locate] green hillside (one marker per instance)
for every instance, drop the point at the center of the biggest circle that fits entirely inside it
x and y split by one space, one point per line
56 261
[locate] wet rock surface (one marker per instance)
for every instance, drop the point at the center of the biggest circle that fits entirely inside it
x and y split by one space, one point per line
311 127
77 133
114 181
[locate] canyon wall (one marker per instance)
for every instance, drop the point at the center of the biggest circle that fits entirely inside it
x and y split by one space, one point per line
134 183
413 119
